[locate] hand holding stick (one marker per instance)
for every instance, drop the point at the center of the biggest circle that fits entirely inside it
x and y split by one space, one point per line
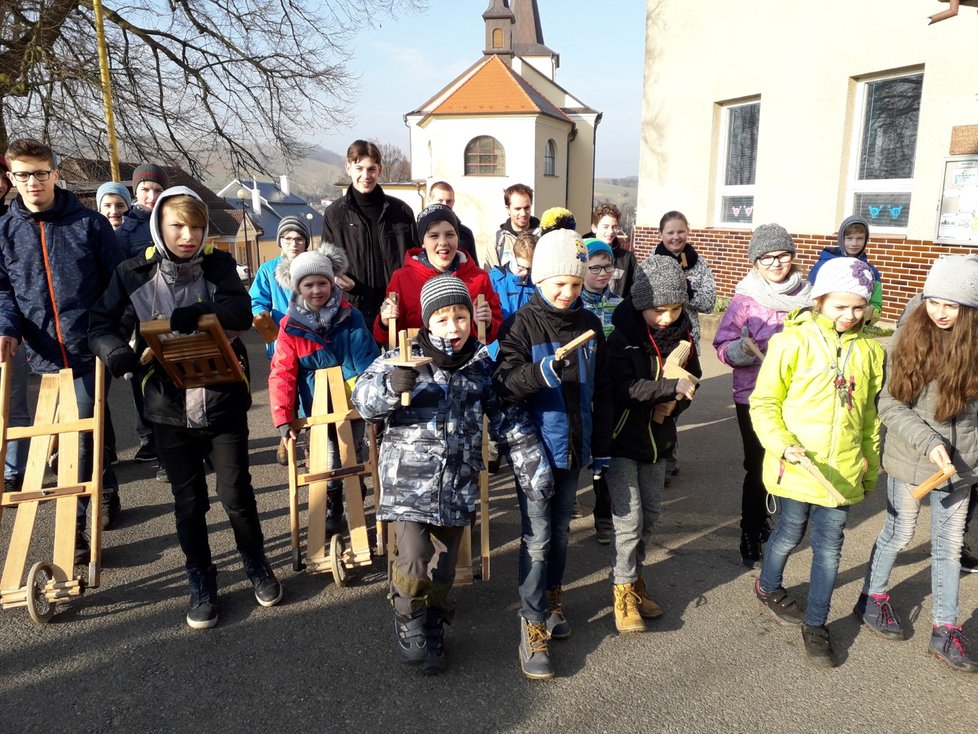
809 466
933 482
405 359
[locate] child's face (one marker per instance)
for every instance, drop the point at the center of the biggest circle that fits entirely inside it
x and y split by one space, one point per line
364 174
606 230
674 235
440 243
659 317
315 290
562 290
774 267
113 207
598 274
944 314
520 266
147 192
844 310
181 239
292 243
855 243
453 323
519 211
38 196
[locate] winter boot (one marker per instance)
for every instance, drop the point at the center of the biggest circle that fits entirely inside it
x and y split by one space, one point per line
750 548
268 591
334 512
434 633
948 644
627 617
646 607
558 628
412 645
202 610
111 509
535 650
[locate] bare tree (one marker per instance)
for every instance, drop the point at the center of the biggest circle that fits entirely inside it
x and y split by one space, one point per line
192 80
397 167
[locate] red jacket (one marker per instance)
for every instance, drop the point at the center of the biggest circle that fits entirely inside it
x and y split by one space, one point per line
408 280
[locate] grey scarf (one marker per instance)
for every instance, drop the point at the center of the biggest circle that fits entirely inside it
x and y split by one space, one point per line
789 294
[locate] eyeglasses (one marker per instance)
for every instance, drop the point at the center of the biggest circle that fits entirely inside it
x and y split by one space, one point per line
24 176
598 269
294 240
769 260
517 268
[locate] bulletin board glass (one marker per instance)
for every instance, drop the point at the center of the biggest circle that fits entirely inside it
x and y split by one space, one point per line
957 223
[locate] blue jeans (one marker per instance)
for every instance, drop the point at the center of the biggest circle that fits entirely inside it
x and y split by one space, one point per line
15 461
828 531
543 545
947 514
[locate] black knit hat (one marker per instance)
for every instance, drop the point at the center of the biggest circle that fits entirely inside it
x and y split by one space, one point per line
441 291
435 213
149 172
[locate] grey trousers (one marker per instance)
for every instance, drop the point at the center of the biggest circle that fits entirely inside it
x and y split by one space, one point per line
424 567
636 499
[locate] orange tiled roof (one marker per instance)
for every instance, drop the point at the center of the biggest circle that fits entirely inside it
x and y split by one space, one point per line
496 88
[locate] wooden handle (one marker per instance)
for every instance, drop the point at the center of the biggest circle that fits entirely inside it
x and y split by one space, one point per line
480 325
809 466
392 326
574 344
933 482
405 356
750 346
680 355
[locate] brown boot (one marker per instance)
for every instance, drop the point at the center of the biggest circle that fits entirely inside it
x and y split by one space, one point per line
627 618
646 607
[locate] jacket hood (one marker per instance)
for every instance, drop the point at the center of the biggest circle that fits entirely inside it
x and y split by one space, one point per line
508 225
154 223
337 256
626 320
65 203
854 219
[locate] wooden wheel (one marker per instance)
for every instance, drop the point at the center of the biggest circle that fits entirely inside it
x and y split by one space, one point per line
38 605
336 560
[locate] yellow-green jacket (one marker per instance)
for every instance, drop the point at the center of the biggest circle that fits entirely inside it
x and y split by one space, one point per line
796 403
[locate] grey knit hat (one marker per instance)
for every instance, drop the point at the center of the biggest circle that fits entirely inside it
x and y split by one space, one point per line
309 263
954 278
560 252
843 275
441 291
293 224
658 281
769 238
149 172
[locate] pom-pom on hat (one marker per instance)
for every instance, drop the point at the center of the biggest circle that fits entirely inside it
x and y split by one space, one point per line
309 263
598 247
844 275
441 291
954 278
560 252
769 238
557 217
435 213
149 172
658 281
112 188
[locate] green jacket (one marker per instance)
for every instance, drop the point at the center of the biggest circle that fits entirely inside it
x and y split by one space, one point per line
796 403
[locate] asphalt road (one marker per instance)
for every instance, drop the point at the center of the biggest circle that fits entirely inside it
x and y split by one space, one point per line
120 658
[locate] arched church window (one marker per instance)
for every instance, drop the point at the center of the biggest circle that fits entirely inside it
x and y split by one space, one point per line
550 159
497 38
485 156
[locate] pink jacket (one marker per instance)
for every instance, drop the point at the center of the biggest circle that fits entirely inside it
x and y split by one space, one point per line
762 323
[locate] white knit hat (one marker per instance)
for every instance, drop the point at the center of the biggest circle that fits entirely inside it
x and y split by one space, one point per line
844 275
309 263
560 252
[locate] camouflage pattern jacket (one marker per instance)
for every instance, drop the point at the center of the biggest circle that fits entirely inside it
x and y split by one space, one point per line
431 454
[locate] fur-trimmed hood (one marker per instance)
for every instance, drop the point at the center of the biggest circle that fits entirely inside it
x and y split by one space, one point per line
336 255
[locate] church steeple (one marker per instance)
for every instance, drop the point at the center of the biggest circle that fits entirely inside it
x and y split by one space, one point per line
499 30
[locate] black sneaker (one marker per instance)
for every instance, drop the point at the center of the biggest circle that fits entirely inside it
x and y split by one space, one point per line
784 609
818 646
412 644
268 591
434 633
111 509
969 562
161 475
603 530
750 548
948 644
13 484
145 453
202 611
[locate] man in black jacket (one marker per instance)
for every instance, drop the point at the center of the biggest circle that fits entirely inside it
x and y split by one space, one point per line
373 228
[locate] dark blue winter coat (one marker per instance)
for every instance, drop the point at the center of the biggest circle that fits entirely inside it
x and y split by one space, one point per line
133 234
54 266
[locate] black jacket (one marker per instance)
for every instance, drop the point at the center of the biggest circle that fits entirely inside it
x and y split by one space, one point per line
636 374
466 242
346 226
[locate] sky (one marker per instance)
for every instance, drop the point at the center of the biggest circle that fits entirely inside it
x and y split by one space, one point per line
406 61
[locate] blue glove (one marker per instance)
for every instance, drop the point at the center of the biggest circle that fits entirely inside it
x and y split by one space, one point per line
599 464
550 370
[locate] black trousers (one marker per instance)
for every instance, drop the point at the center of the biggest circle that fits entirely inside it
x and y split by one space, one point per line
424 566
753 505
182 451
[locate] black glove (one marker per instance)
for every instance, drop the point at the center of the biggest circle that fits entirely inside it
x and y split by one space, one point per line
403 379
184 319
122 361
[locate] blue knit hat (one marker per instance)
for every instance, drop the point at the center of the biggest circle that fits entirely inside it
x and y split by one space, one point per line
598 247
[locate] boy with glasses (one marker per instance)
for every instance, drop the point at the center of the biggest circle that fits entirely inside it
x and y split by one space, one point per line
512 282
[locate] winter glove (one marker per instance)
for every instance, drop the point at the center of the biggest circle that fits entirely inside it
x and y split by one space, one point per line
285 430
403 379
184 319
550 370
599 464
122 361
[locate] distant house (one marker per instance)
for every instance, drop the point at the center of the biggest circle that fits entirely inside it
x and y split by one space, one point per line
505 120
265 204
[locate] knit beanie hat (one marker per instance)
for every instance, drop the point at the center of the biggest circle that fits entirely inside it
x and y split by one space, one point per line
658 281
441 291
598 247
560 252
954 278
293 224
112 187
149 172
843 275
769 238
309 263
557 217
435 213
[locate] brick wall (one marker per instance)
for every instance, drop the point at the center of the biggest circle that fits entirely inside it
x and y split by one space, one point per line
902 263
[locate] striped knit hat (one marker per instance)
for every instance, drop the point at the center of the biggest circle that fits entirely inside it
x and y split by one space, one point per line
441 291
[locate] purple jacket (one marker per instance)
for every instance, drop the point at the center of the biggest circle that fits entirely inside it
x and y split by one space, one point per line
762 323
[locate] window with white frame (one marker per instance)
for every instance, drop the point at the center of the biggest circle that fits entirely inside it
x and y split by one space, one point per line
881 175
550 159
485 156
739 129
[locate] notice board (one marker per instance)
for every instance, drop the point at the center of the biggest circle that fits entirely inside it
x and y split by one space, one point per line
957 223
